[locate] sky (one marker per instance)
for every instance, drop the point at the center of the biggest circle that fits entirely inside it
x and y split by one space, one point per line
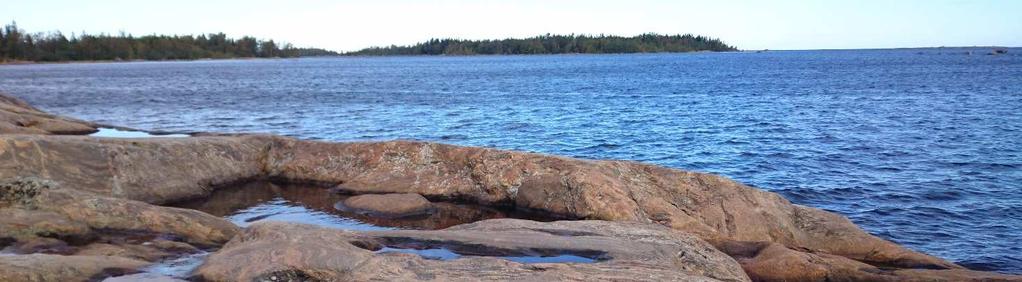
352 25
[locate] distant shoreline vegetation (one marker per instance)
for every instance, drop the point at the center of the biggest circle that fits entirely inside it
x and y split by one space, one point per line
556 44
17 45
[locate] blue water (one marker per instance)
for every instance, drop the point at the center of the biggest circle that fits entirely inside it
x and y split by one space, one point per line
917 146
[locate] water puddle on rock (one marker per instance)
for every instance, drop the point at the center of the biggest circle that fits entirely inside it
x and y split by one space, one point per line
256 201
252 202
447 254
118 133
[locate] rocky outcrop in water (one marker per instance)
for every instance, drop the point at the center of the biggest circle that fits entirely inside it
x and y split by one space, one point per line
388 205
713 207
17 116
78 197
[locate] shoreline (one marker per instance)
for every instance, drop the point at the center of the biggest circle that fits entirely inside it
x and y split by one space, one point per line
978 48
78 187
18 63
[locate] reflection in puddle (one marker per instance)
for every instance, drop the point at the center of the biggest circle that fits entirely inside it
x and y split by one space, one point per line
447 254
437 254
117 133
179 267
551 259
261 200
256 201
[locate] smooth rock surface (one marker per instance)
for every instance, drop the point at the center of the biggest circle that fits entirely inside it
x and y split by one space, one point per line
18 117
713 207
153 170
764 261
627 251
388 205
41 267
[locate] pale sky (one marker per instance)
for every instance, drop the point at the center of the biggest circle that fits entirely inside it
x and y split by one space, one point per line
352 25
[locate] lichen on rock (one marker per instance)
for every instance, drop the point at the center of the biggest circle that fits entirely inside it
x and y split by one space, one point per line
22 190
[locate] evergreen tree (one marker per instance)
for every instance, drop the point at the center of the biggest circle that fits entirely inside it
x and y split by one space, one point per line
15 44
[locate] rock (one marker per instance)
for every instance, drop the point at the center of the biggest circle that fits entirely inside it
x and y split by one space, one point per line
102 213
388 205
627 251
41 267
26 224
764 261
21 190
94 185
40 245
66 213
713 207
150 250
18 117
139 252
153 170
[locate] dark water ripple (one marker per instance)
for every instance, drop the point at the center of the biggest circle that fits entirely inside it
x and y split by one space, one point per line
919 147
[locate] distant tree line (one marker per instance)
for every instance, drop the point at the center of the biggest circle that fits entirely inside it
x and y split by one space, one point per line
16 44
556 44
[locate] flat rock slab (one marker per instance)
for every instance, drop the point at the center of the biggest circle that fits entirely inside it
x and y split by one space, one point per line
18 117
387 205
622 251
41 267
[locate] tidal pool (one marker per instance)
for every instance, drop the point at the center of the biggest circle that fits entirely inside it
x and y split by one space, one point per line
118 133
447 254
247 203
251 202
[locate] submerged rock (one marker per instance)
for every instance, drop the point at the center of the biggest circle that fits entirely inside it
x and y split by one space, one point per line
388 205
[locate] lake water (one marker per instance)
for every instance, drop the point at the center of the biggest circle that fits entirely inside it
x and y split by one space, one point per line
921 147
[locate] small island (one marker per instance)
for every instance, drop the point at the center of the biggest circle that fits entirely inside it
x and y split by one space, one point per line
557 44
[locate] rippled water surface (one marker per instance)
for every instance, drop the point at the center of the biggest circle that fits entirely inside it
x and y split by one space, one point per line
921 147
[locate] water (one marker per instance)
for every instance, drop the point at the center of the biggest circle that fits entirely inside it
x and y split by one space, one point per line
447 254
917 146
256 201
119 133
248 203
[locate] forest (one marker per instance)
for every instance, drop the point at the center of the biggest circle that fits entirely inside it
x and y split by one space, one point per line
556 44
17 45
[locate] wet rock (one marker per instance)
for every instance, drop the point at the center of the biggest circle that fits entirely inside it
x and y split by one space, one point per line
18 117
146 277
139 252
629 251
388 205
150 250
42 267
